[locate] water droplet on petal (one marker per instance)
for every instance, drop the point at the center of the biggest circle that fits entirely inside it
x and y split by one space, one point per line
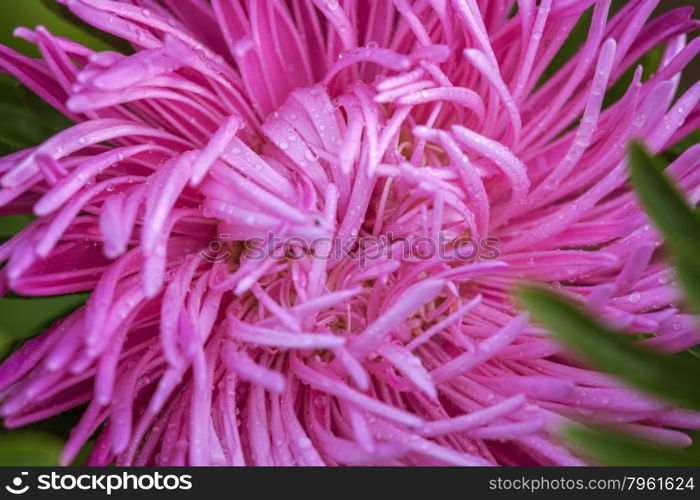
582 141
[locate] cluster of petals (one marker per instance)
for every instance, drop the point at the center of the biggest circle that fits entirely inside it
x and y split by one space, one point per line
235 120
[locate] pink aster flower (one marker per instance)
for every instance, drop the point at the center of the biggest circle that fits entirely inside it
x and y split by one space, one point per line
286 122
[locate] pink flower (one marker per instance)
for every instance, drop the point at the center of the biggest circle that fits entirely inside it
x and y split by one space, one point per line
320 121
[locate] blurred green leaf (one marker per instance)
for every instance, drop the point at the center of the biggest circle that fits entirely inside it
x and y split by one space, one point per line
609 447
673 216
29 448
681 146
649 62
58 427
689 279
12 224
25 120
22 318
570 47
671 377
32 13
109 40
83 454
661 199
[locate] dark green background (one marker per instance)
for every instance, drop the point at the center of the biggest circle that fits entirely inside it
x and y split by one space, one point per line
25 122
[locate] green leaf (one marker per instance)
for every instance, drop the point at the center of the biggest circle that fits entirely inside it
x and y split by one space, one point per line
682 146
12 224
662 201
669 211
609 447
32 13
83 455
650 64
689 279
572 44
109 40
25 120
672 377
22 318
29 448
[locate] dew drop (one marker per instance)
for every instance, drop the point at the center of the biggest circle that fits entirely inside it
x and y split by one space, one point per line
582 141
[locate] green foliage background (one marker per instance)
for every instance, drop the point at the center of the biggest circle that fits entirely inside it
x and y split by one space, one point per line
26 121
